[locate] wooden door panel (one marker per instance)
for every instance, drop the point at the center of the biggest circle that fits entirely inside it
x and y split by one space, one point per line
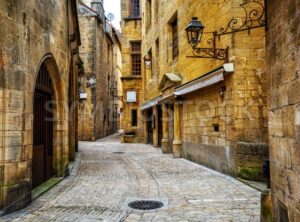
38 167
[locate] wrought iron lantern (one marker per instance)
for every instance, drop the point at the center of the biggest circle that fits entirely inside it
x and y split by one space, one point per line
194 32
254 17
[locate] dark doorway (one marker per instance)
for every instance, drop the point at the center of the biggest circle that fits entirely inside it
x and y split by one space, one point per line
42 160
150 126
160 126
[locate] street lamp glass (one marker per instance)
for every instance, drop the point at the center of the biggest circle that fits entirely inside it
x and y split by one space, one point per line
194 32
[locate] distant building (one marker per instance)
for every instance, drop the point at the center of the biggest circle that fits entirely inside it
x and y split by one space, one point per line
118 75
132 70
97 117
38 66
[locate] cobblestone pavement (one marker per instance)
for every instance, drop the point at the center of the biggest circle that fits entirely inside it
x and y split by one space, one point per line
102 181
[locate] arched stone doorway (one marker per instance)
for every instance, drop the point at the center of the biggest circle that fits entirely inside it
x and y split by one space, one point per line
42 155
50 123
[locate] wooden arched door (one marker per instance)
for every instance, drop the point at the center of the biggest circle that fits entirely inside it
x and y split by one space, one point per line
42 160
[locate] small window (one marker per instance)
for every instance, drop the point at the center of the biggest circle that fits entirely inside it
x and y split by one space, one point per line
135 8
148 14
134 117
174 25
216 127
157 56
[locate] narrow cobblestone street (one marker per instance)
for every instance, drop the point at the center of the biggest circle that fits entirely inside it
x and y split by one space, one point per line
107 174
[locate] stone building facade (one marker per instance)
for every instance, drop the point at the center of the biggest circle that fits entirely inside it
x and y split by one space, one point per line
283 65
132 70
97 113
197 108
39 42
118 75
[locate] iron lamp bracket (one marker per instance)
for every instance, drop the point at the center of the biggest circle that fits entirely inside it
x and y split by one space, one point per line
211 53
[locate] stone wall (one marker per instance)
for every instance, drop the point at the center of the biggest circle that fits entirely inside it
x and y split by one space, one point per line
283 69
131 31
241 115
96 112
86 116
32 35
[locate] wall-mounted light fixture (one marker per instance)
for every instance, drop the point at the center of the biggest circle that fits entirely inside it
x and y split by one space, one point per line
194 33
222 91
148 61
254 18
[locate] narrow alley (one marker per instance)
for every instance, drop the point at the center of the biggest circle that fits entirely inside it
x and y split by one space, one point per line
107 175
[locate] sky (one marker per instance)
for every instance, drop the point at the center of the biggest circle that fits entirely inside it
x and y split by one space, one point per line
113 6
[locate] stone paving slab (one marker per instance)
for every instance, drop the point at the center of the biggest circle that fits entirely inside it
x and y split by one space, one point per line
102 180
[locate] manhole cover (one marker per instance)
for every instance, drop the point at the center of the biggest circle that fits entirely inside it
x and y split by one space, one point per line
118 152
146 205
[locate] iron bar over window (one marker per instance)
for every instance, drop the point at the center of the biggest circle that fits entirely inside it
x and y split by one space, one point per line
136 58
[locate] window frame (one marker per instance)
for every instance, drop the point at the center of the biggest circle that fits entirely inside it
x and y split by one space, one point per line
136 58
175 38
134 8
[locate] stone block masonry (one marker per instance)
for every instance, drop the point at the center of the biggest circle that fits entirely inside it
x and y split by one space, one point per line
283 66
97 114
35 34
212 124
132 81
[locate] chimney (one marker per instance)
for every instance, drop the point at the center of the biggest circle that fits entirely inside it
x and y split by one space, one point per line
97 6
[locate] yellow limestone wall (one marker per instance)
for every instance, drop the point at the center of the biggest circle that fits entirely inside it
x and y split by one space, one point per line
242 114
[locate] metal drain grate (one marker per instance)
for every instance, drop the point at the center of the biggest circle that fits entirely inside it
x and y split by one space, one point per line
118 152
146 205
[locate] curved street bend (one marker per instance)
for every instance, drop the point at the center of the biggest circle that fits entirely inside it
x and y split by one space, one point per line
108 174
